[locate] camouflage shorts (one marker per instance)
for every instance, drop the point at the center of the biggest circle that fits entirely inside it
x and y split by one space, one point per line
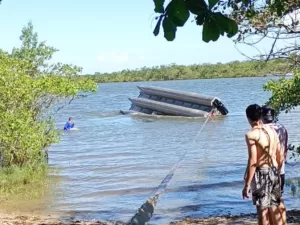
266 190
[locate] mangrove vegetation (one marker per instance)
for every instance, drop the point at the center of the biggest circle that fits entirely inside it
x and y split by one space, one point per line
30 88
196 71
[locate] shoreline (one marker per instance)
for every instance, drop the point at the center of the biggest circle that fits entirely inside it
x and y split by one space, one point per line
13 218
185 79
293 218
246 68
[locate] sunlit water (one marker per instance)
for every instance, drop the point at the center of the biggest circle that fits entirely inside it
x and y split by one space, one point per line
110 166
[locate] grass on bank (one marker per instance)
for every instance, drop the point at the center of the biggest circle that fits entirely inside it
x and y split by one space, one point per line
27 182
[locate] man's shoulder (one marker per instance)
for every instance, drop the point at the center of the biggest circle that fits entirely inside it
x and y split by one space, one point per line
277 123
252 134
278 126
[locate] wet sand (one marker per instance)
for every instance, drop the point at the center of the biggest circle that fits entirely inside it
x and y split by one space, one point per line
250 219
28 219
293 218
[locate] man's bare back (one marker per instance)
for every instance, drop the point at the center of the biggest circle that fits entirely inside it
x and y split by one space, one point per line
264 141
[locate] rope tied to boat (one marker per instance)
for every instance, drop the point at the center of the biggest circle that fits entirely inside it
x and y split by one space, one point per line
145 212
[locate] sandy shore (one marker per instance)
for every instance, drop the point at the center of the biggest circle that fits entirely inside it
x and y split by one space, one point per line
14 219
250 219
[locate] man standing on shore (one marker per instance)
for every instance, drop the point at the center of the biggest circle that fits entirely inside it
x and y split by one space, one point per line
268 117
264 163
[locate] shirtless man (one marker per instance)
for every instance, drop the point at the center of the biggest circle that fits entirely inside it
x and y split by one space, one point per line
262 173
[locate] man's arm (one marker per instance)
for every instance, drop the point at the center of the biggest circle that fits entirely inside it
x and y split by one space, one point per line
252 159
279 154
246 171
286 144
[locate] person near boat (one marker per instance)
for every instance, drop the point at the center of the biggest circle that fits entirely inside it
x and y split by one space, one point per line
268 118
262 175
70 124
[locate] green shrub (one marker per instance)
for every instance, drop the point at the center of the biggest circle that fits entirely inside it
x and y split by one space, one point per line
30 88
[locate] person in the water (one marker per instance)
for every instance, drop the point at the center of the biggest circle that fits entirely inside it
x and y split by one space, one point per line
70 124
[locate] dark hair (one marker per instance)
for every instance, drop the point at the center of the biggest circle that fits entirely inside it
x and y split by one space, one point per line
268 114
253 112
70 118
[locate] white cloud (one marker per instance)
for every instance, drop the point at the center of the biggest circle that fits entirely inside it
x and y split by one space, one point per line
119 57
113 57
101 58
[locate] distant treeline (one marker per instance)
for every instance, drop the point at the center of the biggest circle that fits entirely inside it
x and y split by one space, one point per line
196 71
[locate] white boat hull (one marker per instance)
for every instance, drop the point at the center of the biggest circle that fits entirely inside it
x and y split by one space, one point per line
164 101
167 109
178 95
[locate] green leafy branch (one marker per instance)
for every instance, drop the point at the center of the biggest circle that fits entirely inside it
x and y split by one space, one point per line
220 16
30 89
285 93
177 12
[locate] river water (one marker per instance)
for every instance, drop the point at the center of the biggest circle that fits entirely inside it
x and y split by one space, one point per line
109 167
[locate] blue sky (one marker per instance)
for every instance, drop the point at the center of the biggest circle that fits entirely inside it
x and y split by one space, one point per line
106 36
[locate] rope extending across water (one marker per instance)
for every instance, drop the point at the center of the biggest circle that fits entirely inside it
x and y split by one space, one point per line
146 211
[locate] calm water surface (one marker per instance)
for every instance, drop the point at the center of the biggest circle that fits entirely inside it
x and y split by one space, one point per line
110 166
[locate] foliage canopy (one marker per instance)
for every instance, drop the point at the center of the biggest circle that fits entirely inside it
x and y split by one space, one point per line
195 71
220 17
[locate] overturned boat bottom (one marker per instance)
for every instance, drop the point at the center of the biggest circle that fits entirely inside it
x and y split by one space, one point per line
167 102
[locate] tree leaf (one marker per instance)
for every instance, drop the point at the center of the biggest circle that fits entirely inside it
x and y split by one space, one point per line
221 21
210 30
197 6
279 7
200 19
250 13
225 24
169 29
159 6
157 27
233 28
229 2
246 2
212 3
179 12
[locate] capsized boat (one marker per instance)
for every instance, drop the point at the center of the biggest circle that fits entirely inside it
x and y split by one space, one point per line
163 101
